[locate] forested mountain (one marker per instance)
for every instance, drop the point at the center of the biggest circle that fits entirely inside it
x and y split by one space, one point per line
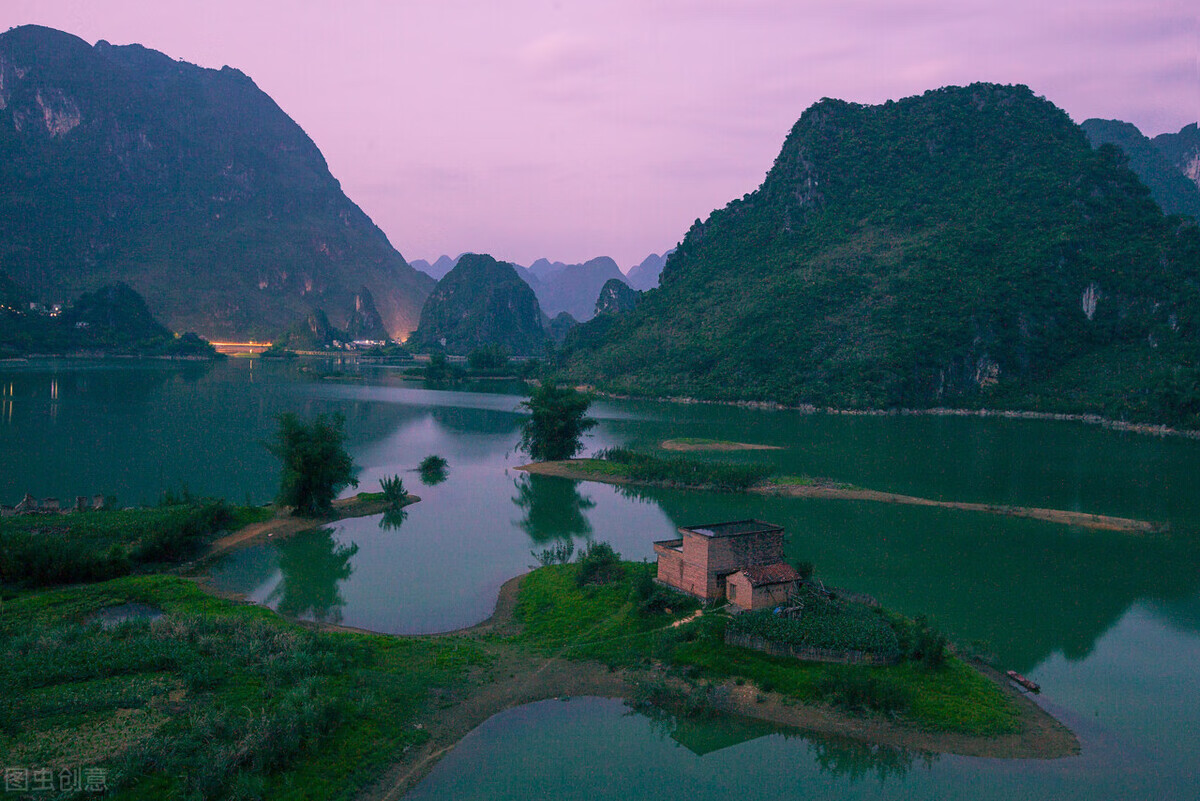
616 297
560 287
1174 192
113 320
963 247
481 302
1183 150
188 184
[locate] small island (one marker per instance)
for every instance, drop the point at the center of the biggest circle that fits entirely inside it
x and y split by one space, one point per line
628 466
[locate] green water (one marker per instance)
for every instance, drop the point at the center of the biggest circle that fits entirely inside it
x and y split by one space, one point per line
1108 623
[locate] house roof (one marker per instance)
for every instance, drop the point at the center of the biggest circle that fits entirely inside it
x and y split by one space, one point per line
734 528
778 573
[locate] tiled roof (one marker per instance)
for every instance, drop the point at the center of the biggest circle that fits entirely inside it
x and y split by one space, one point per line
778 573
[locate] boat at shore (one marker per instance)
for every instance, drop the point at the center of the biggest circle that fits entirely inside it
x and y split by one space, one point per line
1028 684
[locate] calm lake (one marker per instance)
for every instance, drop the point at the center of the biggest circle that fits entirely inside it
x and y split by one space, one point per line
1108 623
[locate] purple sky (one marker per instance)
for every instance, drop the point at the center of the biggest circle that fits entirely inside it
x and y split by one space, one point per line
531 128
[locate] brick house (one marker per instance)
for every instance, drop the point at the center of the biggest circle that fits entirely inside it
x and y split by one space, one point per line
761 587
704 558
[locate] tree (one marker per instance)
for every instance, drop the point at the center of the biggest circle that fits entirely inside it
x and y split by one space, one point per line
316 466
556 424
488 357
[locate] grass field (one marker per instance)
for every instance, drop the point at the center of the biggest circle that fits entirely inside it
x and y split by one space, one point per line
49 549
212 699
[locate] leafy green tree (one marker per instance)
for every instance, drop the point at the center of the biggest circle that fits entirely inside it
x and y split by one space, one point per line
316 466
556 424
488 357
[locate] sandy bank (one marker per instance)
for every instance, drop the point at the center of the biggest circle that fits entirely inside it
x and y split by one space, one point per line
284 524
685 446
830 490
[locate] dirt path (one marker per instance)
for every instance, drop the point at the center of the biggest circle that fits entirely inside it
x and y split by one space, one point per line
285 525
831 490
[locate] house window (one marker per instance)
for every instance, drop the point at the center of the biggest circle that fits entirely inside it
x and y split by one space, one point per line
732 591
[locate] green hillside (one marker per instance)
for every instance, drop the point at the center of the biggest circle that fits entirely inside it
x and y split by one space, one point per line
118 163
965 247
481 302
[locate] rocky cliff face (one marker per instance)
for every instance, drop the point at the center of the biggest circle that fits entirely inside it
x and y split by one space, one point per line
1183 149
481 302
616 298
189 184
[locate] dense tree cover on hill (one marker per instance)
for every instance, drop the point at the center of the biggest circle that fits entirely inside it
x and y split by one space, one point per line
480 302
112 320
964 247
119 163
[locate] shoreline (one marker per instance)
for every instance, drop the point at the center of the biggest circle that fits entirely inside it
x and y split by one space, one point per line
1159 430
831 491
529 677
284 525
532 678
723 446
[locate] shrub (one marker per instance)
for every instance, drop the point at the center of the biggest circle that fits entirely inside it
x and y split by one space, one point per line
559 554
640 466
922 643
432 470
598 564
393 491
857 690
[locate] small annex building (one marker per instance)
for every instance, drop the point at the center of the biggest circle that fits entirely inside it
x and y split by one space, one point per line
741 561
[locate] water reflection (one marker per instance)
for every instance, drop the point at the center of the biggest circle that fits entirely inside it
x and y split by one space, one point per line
312 564
392 518
554 508
837 756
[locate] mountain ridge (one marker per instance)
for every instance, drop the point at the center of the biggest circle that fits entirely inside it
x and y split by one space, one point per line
966 247
189 184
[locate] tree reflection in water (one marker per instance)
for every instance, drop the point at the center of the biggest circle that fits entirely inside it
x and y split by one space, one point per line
312 564
554 508
392 518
